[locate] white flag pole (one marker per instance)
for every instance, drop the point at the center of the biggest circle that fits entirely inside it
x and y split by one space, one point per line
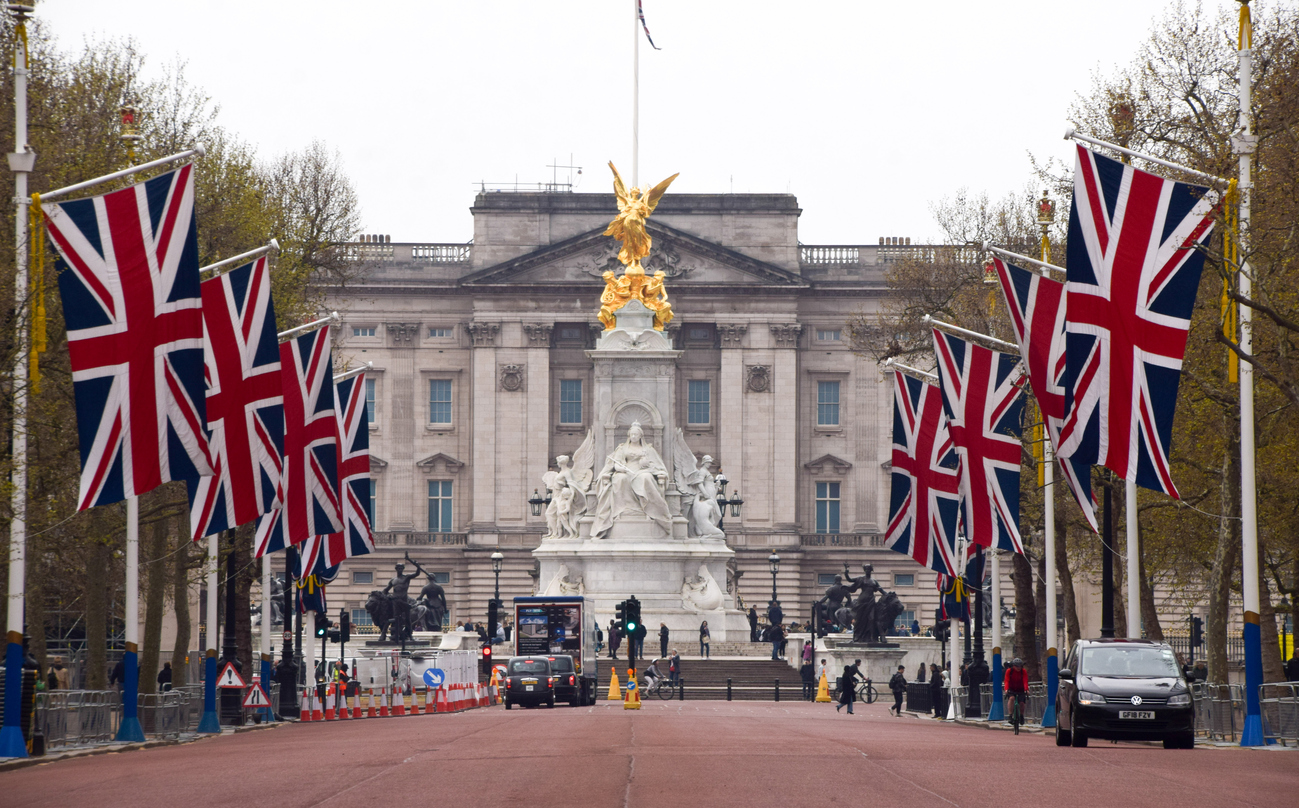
209 722
130 731
1134 559
635 93
271 246
197 151
333 317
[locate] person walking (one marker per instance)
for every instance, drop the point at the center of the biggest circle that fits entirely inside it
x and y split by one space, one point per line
599 639
809 679
1292 668
753 624
640 633
848 686
920 673
936 692
117 679
615 639
674 668
164 678
777 639
705 636
898 684
663 639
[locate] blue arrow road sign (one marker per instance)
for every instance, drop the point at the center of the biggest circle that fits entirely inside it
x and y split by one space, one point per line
433 677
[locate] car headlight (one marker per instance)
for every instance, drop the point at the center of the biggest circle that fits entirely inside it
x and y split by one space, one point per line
1090 698
1180 700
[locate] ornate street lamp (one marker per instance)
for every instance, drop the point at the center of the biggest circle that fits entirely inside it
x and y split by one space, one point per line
498 561
537 502
773 561
735 502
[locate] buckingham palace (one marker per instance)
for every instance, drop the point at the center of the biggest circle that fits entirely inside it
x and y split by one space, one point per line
481 378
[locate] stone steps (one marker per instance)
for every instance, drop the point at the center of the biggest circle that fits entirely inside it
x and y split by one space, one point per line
751 679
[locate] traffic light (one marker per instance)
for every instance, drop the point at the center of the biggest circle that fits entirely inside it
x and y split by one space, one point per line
633 614
493 618
487 652
620 616
322 625
1197 632
344 626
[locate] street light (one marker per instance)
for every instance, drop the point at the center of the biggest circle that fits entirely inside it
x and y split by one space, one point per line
773 561
498 561
537 502
735 502
494 612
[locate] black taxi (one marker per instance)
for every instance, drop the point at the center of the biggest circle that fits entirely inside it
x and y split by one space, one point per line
529 681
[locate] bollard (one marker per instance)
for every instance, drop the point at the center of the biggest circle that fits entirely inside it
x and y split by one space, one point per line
728 688
681 689
777 690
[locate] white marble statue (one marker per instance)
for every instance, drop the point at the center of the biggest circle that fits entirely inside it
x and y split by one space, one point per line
568 491
700 593
631 483
698 491
563 584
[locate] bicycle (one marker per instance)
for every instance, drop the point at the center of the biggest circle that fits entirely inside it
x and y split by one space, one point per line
663 688
1016 710
866 692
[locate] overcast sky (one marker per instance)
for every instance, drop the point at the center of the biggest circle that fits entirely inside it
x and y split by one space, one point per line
867 111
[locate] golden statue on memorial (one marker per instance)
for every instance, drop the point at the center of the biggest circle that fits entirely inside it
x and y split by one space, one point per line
628 227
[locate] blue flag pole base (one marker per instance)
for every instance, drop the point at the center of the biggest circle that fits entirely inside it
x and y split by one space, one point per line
1252 732
130 731
268 713
1052 687
997 710
12 744
210 724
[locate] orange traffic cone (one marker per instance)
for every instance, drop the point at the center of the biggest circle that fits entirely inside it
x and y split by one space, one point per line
329 704
385 696
356 704
399 701
414 702
306 705
316 713
370 712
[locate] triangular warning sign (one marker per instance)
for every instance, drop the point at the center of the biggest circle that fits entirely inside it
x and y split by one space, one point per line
230 678
257 697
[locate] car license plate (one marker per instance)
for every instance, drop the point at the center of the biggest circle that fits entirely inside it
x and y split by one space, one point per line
529 687
1139 714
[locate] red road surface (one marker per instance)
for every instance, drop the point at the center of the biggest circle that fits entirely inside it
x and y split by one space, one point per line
704 754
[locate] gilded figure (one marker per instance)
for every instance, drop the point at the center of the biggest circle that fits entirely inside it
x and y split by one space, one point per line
634 206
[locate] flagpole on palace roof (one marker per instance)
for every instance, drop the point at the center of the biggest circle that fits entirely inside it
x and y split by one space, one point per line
21 161
635 93
1243 145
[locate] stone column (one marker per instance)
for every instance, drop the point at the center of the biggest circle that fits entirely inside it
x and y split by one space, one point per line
539 406
401 422
484 338
729 413
784 384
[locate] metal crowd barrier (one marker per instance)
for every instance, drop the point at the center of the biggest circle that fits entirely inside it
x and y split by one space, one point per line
72 718
985 698
1219 710
958 695
160 713
1279 702
1035 704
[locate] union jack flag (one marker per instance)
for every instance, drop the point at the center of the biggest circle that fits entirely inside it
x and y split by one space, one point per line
640 12
245 402
925 499
308 491
957 592
984 405
319 553
1133 272
130 287
1036 306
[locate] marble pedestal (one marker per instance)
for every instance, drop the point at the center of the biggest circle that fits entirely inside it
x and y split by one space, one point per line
877 664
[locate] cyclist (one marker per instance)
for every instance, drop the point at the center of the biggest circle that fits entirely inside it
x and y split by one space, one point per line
652 676
1016 686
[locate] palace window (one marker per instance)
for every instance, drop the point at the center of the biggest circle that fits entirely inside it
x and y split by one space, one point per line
368 331
439 401
439 333
360 617
904 579
698 406
445 578
825 579
439 506
827 507
826 335
902 623
359 577
369 401
827 403
570 401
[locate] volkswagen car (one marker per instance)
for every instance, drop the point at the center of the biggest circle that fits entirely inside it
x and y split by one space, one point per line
1124 690
529 681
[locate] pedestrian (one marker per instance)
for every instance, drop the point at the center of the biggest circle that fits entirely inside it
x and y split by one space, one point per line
615 639
920 673
848 686
52 681
777 640
117 679
509 629
809 681
674 668
1200 672
1292 668
915 628
705 636
640 633
753 624
936 690
808 652
898 684
775 616
663 639
599 639
164 678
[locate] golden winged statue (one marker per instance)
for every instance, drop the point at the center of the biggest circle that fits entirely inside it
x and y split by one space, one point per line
628 227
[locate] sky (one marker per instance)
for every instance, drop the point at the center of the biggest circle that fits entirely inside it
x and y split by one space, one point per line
868 111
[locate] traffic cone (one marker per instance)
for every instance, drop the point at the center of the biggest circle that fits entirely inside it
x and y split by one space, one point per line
344 703
385 696
370 712
615 692
398 701
306 704
823 690
414 701
329 704
317 713
632 701
355 701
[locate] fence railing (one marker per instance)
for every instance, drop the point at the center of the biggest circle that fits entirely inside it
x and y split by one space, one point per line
1280 707
73 718
1219 710
840 540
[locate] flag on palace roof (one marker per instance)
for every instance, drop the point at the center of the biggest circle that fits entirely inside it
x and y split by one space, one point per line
1133 272
984 405
1036 306
130 286
320 553
640 12
309 483
245 402
925 498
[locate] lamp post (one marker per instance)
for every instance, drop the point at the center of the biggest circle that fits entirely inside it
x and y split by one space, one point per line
773 561
494 613
537 503
722 502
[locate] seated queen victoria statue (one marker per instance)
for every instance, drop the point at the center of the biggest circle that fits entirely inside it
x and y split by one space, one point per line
631 483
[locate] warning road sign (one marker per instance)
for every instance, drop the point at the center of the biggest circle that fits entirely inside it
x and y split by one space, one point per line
230 678
257 697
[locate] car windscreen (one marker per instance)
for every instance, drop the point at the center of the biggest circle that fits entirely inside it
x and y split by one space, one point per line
530 666
1135 661
562 664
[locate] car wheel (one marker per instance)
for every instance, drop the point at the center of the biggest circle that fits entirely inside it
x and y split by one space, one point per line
575 702
1079 739
551 703
1062 737
1184 740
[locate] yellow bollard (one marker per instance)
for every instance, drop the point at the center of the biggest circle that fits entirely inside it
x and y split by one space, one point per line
632 701
615 692
823 690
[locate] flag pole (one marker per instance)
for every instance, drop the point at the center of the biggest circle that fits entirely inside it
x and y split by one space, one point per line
332 317
210 724
198 150
1072 134
130 731
1243 145
991 342
635 93
907 370
1045 218
1133 529
266 631
271 246
21 161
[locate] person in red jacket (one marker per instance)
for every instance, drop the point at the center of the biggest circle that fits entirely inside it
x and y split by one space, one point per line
1016 686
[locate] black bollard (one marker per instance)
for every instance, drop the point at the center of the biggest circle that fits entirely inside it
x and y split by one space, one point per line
681 689
777 690
728 688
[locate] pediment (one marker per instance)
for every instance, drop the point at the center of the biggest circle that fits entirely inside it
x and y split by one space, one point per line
377 464
439 462
827 463
685 259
